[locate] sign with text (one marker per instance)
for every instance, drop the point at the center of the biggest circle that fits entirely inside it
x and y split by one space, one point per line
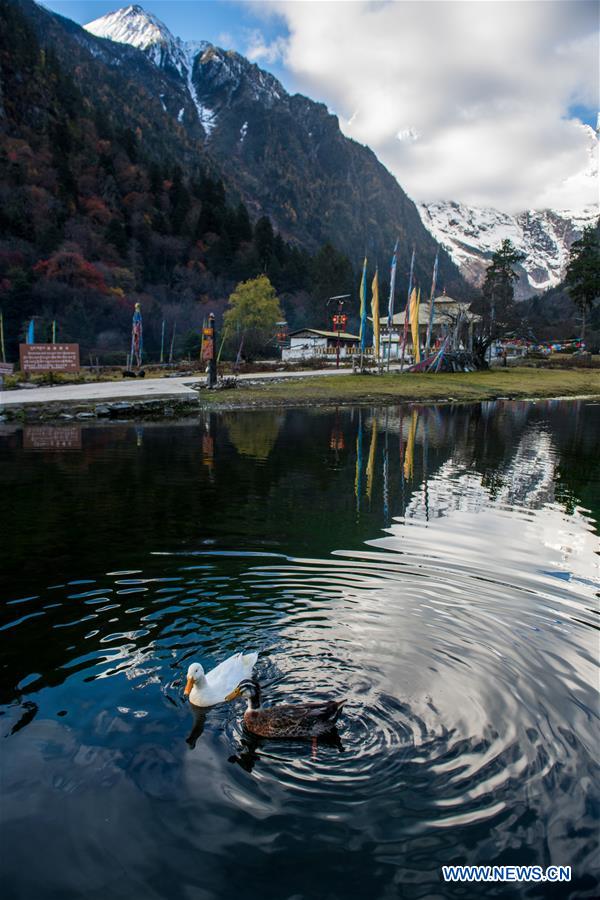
48 437
6 369
49 357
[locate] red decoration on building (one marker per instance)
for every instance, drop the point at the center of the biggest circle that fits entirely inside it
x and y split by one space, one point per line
339 322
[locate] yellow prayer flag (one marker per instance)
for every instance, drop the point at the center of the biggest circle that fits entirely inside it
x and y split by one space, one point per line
375 313
371 459
415 301
410 446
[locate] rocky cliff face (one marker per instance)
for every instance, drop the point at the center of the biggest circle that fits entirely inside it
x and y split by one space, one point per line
284 155
471 234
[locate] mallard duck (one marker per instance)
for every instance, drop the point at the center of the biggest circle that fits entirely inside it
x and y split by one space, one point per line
212 688
302 720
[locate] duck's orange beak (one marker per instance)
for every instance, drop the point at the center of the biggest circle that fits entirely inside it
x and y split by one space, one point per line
188 687
233 695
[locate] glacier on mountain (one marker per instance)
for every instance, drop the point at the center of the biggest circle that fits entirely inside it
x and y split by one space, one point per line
134 26
472 234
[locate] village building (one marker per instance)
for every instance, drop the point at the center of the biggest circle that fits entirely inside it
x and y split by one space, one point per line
450 316
314 343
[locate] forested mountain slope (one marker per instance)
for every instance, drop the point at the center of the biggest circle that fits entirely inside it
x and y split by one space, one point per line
114 188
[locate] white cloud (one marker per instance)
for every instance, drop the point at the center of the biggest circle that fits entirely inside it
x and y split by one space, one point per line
260 50
461 100
226 40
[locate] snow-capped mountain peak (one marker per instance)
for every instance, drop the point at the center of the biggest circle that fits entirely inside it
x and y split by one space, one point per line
209 74
132 25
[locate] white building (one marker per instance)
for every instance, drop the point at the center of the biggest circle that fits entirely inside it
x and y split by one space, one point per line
448 315
313 343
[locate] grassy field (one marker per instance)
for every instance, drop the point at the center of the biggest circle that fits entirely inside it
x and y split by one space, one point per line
510 383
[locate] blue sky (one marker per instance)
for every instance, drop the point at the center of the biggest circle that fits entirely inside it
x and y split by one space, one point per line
232 25
486 103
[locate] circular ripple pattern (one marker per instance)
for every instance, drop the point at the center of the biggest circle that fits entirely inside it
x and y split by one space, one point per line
466 647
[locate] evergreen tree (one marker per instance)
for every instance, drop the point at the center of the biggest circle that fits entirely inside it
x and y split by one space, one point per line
583 272
331 275
212 214
116 235
128 141
156 177
180 201
242 224
264 241
498 287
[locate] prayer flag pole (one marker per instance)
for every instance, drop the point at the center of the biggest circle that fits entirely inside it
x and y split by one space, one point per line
407 308
432 303
363 313
375 314
136 336
2 349
391 301
172 343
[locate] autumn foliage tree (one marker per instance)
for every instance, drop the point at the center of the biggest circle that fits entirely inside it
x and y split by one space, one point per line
95 215
70 268
252 314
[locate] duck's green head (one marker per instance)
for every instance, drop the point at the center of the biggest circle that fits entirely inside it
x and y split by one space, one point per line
247 688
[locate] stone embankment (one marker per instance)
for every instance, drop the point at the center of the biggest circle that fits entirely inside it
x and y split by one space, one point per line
171 407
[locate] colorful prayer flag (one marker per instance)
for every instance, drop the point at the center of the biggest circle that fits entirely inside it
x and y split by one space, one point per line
432 301
392 286
415 300
407 307
363 308
359 462
375 313
371 459
409 458
137 344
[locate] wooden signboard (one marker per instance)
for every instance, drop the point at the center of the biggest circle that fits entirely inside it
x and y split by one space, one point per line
49 357
48 437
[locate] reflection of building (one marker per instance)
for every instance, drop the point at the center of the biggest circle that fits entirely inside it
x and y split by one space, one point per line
308 343
449 316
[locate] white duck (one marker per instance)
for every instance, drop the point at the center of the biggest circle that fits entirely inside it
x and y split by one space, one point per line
207 690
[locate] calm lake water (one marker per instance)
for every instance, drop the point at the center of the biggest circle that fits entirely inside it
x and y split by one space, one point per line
435 565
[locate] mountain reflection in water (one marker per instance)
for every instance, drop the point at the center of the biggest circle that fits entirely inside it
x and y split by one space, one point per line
436 565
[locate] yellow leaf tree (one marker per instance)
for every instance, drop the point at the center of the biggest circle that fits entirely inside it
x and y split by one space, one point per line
252 314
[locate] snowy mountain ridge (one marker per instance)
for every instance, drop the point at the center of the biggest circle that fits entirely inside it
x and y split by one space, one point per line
471 234
134 26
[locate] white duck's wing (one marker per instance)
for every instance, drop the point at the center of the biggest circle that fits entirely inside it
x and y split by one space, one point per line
228 674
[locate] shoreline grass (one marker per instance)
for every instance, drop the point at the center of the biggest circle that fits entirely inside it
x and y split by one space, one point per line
325 391
513 383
